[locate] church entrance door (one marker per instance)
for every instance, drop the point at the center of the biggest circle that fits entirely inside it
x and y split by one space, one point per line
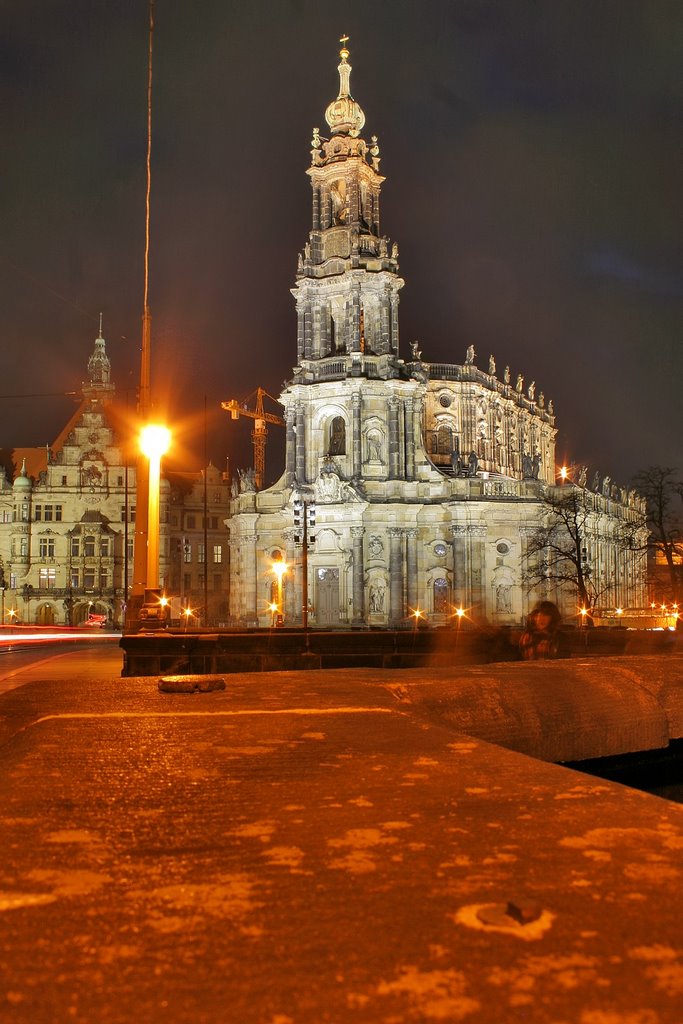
327 597
46 615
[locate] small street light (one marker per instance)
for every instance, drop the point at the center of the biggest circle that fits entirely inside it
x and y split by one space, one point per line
155 441
280 567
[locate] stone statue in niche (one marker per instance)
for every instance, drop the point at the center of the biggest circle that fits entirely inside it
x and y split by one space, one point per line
527 466
504 598
535 466
377 597
374 443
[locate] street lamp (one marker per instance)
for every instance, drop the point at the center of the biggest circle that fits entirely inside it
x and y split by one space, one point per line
564 473
155 441
279 568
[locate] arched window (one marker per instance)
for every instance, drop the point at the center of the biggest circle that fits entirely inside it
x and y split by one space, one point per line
440 596
337 436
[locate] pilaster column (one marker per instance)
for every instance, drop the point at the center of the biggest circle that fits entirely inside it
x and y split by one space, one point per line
292 604
356 426
409 419
316 208
394 324
395 576
354 340
385 322
357 534
461 590
290 446
393 438
411 568
477 535
300 445
299 331
249 577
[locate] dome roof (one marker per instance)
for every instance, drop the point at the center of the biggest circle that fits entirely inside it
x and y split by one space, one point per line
23 481
344 114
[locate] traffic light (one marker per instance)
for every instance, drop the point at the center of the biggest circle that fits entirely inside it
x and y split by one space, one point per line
298 519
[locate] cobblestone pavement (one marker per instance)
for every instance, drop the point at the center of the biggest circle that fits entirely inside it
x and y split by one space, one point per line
305 848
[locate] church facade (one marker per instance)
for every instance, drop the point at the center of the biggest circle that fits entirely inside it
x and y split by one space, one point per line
428 479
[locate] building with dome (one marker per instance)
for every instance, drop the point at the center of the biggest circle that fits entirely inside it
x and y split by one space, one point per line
67 521
428 479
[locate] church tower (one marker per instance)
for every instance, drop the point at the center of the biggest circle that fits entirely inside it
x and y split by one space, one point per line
347 277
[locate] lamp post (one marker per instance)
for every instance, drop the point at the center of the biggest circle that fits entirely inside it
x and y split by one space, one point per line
279 568
154 442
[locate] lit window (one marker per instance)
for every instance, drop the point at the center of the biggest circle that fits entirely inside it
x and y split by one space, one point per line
75 579
187 551
217 553
47 578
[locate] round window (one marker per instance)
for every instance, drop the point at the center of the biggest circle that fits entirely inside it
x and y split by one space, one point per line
445 401
440 549
502 548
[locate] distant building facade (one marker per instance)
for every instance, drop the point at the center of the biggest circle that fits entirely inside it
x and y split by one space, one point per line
428 479
67 521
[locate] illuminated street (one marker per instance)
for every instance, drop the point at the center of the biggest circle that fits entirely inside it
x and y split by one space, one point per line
311 847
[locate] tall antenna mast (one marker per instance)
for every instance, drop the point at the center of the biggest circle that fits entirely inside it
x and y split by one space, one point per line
144 400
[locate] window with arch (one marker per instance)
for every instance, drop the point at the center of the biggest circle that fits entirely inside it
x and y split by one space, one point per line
337 436
440 590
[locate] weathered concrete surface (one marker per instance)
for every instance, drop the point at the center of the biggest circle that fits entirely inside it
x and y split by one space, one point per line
306 848
559 711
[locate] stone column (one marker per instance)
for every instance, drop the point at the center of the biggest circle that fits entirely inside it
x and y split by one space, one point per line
461 590
292 604
308 332
356 438
316 208
249 578
300 445
393 438
394 324
290 446
409 439
357 534
299 331
354 340
411 568
477 535
385 322
395 576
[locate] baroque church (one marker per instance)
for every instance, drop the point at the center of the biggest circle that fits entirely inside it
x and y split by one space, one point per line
428 479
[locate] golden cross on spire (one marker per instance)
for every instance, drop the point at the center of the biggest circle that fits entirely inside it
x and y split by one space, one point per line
343 53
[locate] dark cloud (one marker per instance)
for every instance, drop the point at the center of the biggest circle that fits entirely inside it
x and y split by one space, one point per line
533 159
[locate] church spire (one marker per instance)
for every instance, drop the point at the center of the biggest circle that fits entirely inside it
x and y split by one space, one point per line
99 367
344 115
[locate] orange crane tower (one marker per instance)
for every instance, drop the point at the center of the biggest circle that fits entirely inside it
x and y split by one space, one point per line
259 434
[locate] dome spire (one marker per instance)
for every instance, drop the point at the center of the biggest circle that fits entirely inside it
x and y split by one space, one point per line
344 115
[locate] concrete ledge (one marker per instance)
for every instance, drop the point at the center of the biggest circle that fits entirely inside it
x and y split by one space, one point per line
558 711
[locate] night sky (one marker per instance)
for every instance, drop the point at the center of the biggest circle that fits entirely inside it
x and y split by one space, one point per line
533 154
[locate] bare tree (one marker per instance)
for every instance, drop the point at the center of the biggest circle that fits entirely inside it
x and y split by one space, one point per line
662 489
560 552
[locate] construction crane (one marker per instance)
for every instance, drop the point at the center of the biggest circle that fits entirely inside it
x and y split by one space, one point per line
259 434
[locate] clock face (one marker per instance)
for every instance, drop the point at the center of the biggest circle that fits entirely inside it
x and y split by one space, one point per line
445 401
440 550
